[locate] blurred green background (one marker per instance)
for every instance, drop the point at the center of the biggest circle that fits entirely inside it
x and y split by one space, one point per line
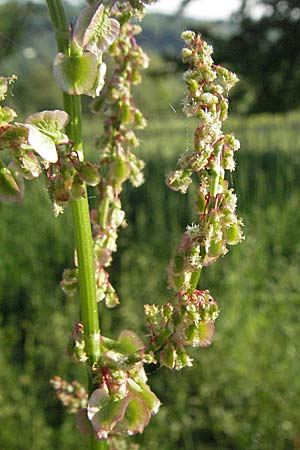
243 392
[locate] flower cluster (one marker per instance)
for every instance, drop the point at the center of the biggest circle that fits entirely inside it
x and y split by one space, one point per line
72 395
119 401
191 320
209 159
122 401
173 327
117 162
39 146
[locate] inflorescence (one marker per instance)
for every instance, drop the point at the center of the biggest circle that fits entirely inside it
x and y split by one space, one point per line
122 402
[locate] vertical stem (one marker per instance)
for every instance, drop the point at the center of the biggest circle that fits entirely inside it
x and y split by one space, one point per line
81 215
215 176
80 208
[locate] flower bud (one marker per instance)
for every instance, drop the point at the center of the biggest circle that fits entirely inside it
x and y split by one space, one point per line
193 85
201 201
167 356
77 189
29 165
119 170
188 36
70 281
139 119
167 311
88 172
179 180
151 313
183 359
11 185
117 216
111 298
135 77
126 116
216 249
233 234
223 109
186 53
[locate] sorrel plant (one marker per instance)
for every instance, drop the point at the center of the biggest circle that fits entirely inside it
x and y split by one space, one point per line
99 56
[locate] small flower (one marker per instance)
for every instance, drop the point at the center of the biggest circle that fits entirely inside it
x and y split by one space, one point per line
7 115
179 180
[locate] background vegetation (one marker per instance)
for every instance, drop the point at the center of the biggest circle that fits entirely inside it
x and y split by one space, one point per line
243 392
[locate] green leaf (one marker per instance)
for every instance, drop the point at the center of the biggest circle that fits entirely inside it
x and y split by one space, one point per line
104 413
41 144
82 422
28 165
137 415
152 402
129 342
77 74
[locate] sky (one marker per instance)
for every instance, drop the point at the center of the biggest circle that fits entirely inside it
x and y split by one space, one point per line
202 9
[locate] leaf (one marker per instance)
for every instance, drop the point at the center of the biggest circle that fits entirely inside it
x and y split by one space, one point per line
129 342
42 144
137 415
152 402
94 30
50 123
82 422
99 83
76 74
104 413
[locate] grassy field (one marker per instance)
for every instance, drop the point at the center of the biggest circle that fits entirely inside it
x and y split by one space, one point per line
243 392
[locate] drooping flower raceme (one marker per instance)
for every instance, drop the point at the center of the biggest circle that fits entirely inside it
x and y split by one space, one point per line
189 319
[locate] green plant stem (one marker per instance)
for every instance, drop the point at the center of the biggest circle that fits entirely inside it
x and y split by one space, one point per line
215 176
81 214
80 208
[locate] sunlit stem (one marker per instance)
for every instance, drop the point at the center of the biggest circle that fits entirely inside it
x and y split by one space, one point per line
81 214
